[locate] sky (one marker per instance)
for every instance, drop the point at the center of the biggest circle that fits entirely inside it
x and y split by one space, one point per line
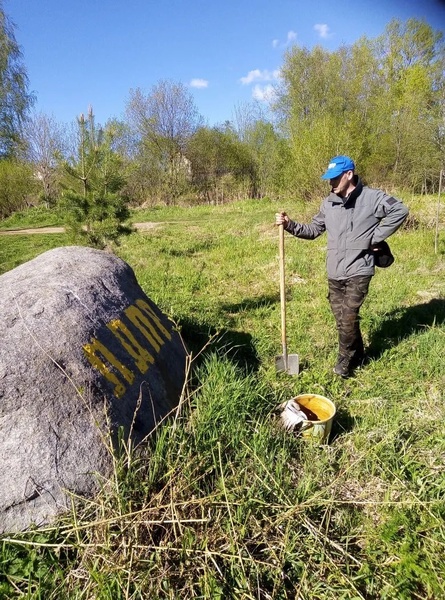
81 53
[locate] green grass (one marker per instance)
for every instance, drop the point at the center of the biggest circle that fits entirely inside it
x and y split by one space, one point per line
16 249
38 216
223 504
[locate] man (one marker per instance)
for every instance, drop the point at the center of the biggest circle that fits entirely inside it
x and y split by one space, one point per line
357 220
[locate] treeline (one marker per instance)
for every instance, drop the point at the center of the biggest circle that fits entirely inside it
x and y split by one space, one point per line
380 100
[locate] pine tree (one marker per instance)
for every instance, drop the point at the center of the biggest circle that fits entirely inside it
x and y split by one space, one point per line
95 207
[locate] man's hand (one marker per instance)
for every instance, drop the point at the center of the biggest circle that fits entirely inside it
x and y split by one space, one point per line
281 218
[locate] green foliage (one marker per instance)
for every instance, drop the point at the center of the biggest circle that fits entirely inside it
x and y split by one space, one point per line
34 568
221 165
266 148
96 211
380 101
17 186
15 100
406 122
34 217
403 541
324 106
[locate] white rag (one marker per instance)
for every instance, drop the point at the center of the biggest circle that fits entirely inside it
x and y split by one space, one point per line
291 415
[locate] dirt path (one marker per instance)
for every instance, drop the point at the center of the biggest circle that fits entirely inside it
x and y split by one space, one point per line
139 226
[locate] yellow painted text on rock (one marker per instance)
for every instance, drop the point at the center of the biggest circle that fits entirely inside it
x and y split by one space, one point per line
139 316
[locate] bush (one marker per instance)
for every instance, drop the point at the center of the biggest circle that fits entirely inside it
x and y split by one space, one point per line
18 187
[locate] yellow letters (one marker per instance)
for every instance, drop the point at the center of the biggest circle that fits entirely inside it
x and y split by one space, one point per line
141 356
141 316
92 351
151 314
140 320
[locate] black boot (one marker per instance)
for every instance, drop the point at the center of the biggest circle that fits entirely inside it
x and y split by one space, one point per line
342 368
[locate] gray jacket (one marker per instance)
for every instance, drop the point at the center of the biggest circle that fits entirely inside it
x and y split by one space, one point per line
366 217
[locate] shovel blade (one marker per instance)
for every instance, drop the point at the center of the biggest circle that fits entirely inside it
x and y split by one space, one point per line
293 364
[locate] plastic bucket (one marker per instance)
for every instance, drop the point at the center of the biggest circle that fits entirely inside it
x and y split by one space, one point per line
320 412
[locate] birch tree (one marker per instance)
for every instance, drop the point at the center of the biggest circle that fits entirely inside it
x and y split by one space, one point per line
15 99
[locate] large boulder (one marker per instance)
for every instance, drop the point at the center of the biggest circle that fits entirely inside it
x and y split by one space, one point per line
85 357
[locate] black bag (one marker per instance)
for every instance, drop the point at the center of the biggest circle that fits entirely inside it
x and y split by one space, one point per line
383 257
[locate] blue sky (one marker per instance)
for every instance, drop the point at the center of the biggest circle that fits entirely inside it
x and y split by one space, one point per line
80 53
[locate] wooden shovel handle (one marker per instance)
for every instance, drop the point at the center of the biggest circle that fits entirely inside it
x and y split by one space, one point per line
282 291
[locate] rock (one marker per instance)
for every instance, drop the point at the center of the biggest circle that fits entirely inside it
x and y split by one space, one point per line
84 352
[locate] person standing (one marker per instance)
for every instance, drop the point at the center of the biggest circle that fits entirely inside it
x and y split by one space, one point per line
357 220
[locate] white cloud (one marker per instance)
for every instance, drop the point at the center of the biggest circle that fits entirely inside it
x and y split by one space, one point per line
323 30
263 93
199 83
251 76
290 38
258 75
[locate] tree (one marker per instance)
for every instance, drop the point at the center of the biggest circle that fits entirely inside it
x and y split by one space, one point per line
15 100
221 165
380 101
17 186
312 104
96 210
407 117
164 121
245 116
45 147
266 149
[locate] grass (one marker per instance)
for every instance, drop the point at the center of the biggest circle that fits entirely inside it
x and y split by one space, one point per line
223 504
17 249
37 216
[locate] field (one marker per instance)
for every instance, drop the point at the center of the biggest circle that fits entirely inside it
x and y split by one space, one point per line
223 504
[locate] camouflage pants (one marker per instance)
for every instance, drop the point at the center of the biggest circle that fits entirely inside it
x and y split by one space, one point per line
346 297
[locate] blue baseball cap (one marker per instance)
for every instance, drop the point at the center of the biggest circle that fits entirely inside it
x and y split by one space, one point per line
337 166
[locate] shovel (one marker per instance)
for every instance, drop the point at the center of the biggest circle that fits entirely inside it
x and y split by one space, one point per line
288 363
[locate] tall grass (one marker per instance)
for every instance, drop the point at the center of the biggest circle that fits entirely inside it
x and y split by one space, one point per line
221 503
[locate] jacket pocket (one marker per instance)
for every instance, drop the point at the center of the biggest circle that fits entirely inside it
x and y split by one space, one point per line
332 262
